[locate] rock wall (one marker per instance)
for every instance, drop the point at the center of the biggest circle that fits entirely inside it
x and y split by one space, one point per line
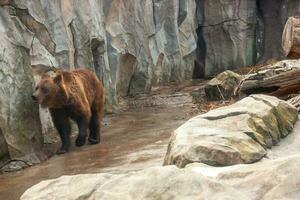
229 34
19 118
274 16
236 33
131 45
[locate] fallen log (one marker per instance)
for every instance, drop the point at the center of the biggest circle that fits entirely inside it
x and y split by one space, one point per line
278 85
295 101
291 38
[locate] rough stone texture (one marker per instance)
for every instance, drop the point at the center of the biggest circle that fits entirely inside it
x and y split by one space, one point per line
129 44
229 34
222 86
19 121
273 16
234 134
3 148
153 183
239 33
266 180
269 180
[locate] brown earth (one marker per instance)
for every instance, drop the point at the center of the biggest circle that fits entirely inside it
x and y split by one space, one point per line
134 139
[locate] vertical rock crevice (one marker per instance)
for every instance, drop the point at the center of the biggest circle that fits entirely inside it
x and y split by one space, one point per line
125 73
38 29
4 155
98 50
259 31
270 13
199 67
72 46
182 12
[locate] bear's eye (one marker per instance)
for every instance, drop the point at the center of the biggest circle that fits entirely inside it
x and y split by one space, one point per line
45 90
36 88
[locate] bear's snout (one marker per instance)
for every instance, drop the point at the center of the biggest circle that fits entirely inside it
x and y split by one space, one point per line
34 98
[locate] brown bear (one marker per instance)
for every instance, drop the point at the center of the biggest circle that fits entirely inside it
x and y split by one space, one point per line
76 95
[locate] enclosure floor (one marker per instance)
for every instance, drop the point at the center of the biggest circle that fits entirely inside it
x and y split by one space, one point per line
134 139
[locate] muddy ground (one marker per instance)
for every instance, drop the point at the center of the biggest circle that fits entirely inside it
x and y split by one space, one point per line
134 139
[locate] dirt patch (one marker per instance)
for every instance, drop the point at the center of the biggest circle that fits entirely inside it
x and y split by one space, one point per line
134 139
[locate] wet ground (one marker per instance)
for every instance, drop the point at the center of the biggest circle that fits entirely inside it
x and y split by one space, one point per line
134 139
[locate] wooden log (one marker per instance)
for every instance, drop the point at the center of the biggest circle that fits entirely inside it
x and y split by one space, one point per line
295 101
278 85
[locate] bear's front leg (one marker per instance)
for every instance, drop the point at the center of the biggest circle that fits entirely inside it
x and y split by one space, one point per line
62 124
82 124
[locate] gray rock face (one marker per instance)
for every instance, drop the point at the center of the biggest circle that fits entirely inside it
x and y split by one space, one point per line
229 34
230 135
239 33
277 179
131 45
273 16
19 118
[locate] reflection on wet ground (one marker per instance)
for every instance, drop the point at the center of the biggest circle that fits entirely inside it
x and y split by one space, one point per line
134 139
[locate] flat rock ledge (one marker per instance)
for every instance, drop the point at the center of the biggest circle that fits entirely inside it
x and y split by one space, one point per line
268 180
235 134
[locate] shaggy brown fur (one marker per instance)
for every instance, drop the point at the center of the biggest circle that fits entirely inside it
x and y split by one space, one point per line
78 95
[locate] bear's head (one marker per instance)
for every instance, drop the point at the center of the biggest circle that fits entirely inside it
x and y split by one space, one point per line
50 92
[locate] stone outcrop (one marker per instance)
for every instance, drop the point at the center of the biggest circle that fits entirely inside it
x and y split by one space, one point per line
239 133
269 180
19 117
223 86
229 34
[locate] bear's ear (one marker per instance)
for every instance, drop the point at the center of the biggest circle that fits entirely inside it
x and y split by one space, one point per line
45 76
58 78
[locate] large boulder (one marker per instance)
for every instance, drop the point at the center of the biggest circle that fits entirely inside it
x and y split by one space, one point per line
269 180
239 133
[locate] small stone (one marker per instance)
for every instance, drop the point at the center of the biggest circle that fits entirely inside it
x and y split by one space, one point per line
222 87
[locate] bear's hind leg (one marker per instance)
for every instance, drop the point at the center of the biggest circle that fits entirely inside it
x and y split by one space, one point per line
62 124
97 115
82 123
94 137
